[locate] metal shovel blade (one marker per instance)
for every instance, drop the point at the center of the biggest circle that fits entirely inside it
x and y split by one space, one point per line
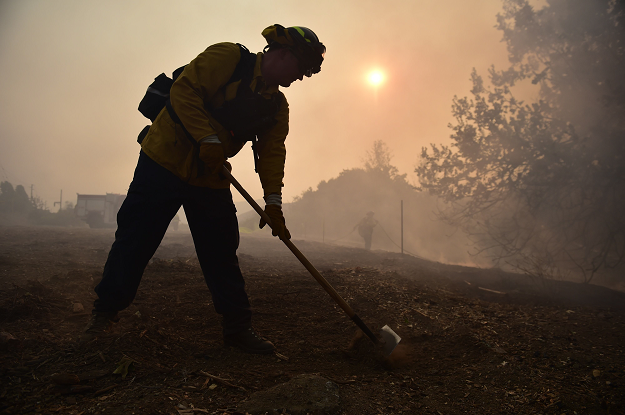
390 339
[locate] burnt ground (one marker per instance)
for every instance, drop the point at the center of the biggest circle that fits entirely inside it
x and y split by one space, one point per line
474 341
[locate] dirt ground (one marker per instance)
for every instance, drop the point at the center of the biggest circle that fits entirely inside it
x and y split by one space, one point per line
474 341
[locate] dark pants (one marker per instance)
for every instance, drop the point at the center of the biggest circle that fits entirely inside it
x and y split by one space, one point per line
153 199
368 236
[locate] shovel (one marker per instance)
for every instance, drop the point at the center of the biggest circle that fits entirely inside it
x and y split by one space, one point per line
389 339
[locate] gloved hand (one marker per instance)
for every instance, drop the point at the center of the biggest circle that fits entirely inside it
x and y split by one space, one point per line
212 154
277 221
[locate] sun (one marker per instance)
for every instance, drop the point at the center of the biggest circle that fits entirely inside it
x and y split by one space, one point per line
375 78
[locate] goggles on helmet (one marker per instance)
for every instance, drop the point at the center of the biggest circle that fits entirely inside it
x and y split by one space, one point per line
302 42
308 50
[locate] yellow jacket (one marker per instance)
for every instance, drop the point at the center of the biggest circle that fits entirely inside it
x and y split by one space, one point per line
200 87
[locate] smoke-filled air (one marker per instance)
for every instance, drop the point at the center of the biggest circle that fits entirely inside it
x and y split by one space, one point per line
312 207
499 124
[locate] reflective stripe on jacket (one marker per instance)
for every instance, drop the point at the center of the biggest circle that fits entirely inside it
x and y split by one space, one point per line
201 87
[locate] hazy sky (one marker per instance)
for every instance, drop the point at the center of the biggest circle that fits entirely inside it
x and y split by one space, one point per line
74 71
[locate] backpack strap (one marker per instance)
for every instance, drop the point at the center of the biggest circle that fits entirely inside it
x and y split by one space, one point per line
196 145
245 68
244 72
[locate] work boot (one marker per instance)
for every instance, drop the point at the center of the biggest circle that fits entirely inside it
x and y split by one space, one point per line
250 342
99 325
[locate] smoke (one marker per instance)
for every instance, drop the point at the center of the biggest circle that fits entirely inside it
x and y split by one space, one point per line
74 72
332 212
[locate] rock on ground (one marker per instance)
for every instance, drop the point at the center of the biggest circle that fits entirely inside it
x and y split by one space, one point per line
304 394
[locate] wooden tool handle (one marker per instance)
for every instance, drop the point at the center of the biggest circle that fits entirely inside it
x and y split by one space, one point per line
313 271
329 289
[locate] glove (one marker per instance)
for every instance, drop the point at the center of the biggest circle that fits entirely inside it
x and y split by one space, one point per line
212 154
278 226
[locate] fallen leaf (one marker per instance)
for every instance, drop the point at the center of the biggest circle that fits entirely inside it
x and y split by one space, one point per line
123 366
596 373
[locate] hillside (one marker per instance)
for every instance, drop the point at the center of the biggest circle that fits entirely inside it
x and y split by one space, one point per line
473 340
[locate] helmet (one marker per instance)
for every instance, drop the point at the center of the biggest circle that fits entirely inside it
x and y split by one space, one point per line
302 41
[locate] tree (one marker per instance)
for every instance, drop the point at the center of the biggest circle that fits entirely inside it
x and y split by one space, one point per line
541 186
379 159
331 211
14 200
22 201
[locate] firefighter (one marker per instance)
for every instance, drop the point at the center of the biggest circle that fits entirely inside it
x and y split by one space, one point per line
365 228
212 113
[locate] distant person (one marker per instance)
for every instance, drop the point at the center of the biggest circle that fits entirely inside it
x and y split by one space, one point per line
365 228
225 97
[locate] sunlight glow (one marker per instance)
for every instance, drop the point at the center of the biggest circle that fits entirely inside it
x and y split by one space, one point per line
375 78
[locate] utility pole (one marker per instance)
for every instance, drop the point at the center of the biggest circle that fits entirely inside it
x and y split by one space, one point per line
60 202
31 192
402 227
323 238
